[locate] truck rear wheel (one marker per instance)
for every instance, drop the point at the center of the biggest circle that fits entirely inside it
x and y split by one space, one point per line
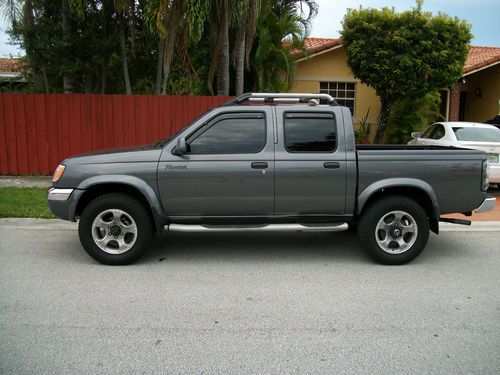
115 229
394 230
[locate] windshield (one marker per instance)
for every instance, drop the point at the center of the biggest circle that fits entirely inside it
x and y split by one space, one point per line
477 134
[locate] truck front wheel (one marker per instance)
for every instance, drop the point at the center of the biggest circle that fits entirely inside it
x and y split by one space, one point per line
394 230
115 229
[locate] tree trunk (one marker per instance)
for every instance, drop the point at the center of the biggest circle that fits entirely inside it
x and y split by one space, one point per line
159 66
223 64
131 26
167 60
175 16
107 10
383 119
239 80
123 52
68 81
104 76
45 80
89 82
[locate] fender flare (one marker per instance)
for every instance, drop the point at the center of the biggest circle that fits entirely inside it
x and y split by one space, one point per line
365 195
135 182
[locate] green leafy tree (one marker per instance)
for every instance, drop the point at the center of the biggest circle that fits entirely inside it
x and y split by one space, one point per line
404 54
158 46
409 115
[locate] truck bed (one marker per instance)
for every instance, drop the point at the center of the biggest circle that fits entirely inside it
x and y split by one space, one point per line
453 173
403 147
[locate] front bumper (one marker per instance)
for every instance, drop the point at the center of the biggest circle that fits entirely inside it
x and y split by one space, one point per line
59 194
63 202
487 205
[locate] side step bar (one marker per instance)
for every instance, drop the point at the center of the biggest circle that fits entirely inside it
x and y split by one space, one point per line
328 227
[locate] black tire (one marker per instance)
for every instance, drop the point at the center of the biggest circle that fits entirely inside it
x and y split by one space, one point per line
131 207
371 217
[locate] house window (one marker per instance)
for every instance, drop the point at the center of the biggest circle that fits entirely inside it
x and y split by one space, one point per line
342 92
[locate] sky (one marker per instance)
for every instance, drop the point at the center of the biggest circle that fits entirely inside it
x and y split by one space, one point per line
483 15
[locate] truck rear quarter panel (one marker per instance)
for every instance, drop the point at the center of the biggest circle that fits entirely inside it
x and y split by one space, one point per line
454 175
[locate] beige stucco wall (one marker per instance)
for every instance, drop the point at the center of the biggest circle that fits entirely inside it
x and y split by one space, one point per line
485 107
331 66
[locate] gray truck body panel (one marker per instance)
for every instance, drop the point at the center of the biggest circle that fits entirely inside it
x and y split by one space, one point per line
292 186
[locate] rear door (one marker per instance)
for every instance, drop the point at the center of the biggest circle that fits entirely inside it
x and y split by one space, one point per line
310 162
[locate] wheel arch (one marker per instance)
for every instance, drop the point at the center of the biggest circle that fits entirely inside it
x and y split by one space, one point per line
415 189
96 186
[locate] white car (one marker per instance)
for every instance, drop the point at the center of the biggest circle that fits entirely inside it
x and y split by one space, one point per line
465 135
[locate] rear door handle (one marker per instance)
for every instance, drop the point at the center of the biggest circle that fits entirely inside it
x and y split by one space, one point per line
259 165
331 165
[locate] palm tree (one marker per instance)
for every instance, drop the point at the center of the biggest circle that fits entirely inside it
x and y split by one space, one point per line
245 23
124 11
282 27
11 10
219 40
68 81
175 20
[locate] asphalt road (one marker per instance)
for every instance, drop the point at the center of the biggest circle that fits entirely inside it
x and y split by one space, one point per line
265 303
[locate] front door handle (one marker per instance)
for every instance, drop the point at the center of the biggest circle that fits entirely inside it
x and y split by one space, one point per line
331 165
259 165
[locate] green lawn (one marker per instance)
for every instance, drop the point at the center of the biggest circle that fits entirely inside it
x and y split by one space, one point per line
24 202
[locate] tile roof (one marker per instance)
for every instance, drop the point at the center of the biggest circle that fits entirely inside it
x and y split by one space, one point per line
478 57
10 65
316 45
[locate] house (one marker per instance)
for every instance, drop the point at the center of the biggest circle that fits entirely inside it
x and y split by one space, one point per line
11 74
324 69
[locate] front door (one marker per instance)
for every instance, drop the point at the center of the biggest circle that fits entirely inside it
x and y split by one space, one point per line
227 172
311 166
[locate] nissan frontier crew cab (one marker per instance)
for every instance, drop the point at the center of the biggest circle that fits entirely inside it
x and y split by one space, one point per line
268 162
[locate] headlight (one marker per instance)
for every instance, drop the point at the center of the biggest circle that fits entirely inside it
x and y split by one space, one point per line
486 170
58 173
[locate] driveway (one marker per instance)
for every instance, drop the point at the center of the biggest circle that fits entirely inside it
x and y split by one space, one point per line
266 303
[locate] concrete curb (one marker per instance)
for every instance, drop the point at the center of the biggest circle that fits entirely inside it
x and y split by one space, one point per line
25 181
47 224
477 226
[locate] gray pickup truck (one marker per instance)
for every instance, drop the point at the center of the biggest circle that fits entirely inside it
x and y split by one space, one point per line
268 162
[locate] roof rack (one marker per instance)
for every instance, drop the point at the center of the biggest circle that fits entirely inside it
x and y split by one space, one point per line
280 97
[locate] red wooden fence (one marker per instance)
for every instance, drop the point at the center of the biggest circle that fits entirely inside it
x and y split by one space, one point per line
38 131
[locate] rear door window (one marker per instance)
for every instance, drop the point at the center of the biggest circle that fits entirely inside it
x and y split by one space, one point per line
310 132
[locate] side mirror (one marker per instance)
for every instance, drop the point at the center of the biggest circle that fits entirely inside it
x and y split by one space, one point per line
181 147
415 135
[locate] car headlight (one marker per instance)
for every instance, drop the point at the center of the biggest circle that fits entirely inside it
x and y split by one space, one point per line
58 173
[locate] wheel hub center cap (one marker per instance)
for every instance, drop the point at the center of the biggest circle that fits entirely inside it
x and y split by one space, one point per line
115 230
396 232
